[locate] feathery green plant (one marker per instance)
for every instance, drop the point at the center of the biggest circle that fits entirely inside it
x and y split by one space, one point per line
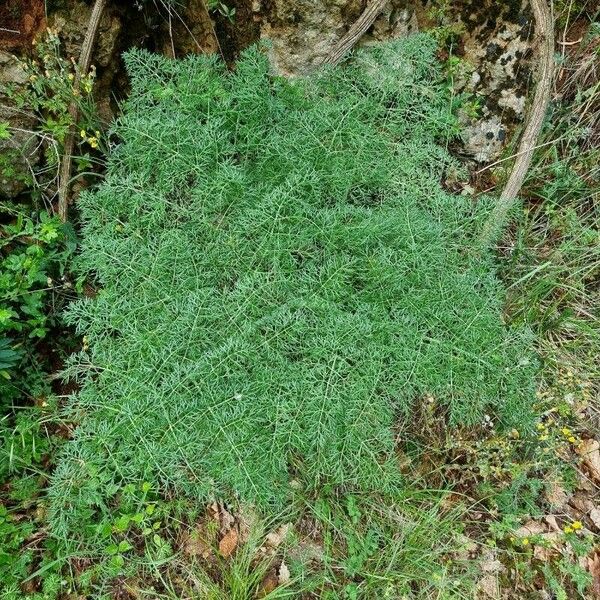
282 277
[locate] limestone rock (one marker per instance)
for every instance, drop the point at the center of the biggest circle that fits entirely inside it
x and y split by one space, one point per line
303 32
20 152
71 23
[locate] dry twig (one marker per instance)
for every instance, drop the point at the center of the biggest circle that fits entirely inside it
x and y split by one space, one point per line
82 69
356 31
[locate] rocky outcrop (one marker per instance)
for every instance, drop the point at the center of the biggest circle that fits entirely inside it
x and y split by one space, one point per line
491 39
302 32
20 152
71 21
491 44
495 52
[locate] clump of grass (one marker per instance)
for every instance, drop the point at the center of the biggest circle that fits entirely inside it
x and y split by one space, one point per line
554 264
282 278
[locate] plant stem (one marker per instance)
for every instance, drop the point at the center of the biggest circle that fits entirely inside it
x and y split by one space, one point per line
82 69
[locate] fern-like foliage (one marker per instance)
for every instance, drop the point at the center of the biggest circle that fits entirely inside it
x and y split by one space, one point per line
281 278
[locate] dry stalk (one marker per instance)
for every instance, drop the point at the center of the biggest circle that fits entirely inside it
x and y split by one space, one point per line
82 68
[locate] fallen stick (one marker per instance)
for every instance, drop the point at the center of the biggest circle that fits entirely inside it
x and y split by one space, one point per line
544 31
356 31
83 65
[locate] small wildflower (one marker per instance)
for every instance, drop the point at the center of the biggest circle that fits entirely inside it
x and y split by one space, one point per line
525 541
568 529
82 133
566 431
572 439
71 76
543 438
541 426
576 525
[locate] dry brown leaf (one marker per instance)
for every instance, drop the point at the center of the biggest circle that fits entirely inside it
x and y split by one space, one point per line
284 574
275 538
589 450
228 543
531 528
194 544
593 567
488 588
556 495
595 517
268 584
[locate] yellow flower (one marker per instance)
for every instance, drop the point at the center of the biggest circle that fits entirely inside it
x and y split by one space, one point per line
543 438
568 529
572 440
566 431
576 525
540 426
93 142
71 76
82 133
525 541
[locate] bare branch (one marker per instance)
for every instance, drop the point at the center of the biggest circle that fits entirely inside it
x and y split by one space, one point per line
356 31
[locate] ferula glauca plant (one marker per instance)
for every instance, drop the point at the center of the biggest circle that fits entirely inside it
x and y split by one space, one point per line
282 278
